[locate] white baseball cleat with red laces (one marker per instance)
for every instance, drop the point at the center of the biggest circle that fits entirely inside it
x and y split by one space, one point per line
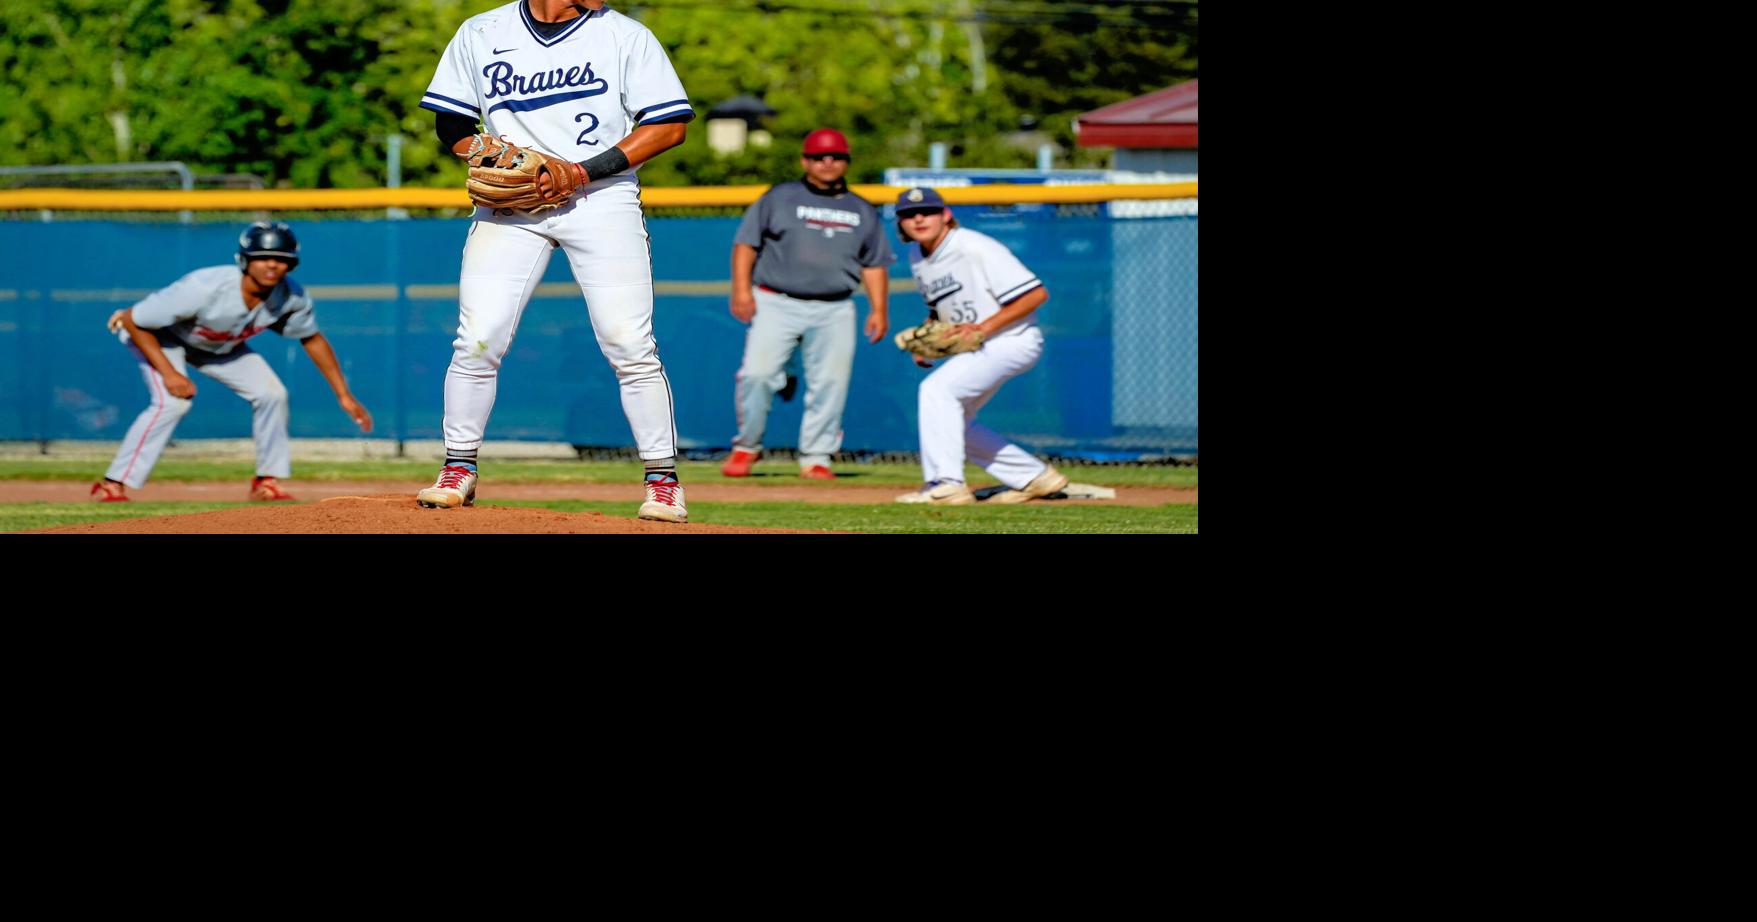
455 487
664 499
941 493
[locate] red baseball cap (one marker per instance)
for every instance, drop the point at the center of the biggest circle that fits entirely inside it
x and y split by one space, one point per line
825 141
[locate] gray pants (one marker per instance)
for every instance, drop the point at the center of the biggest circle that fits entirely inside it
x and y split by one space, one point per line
249 377
824 333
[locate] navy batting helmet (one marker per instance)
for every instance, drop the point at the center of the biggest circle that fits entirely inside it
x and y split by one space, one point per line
265 239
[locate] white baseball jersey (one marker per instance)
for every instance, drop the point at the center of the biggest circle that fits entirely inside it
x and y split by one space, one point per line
204 311
574 95
970 277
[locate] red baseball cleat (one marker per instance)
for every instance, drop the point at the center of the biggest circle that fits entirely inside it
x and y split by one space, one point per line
817 472
267 489
109 491
739 464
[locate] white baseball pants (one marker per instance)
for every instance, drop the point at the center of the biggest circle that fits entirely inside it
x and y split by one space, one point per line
250 377
824 332
950 397
605 239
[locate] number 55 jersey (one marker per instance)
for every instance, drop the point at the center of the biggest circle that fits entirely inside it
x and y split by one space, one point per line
970 277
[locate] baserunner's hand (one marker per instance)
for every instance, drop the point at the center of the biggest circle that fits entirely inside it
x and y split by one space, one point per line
357 411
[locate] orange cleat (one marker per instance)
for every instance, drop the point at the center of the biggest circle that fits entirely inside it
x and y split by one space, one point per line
739 464
268 490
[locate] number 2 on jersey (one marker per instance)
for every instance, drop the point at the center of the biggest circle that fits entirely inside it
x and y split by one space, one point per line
589 128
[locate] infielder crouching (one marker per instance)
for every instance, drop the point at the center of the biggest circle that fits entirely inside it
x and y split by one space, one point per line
970 279
202 320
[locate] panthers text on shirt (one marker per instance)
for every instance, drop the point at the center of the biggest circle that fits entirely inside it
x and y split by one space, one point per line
828 219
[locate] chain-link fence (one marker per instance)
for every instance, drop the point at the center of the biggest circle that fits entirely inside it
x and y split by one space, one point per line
1118 379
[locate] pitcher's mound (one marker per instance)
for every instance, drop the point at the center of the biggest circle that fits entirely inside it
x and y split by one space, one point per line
397 514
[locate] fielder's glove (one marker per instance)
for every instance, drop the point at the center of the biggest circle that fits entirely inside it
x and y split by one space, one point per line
512 181
937 339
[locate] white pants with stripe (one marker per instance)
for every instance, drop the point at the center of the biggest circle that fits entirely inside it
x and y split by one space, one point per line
605 239
249 376
950 397
824 333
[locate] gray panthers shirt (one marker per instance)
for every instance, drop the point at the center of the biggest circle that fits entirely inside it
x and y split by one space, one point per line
811 245
204 312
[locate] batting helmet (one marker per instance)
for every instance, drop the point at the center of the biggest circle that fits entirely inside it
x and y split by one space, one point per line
265 239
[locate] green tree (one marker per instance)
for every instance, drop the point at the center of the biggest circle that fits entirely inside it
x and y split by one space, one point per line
303 92
1090 58
893 76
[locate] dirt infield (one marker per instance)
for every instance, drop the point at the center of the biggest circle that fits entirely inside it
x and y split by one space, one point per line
394 514
388 508
67 491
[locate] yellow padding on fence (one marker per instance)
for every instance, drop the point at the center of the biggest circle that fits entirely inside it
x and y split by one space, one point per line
719 289
695 196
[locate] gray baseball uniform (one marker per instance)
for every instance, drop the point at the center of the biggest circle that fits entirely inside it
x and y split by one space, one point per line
811 247
200 321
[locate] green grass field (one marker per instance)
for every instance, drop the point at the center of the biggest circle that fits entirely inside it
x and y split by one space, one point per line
1030 518
897 519
27 516
422 472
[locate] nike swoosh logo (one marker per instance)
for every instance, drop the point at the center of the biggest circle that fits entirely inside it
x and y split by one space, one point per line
504 50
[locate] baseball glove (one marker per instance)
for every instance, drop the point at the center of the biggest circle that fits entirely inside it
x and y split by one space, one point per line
512 181
937 339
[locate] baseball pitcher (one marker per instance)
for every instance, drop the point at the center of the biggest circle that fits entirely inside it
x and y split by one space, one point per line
571 99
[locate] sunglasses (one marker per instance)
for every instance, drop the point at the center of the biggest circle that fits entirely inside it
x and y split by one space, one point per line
822 157
915 211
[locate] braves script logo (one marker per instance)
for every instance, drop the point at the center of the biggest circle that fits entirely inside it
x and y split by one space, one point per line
829 220
937 290
504 81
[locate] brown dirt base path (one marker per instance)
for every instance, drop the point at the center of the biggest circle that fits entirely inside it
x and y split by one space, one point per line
67 491
388 508
395 514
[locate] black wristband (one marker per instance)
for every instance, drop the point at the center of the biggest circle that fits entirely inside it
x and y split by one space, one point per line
452 128
608 163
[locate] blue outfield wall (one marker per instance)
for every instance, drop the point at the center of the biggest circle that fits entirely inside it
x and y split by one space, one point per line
68 378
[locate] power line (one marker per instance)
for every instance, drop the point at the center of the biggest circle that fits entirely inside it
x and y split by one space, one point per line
1139 12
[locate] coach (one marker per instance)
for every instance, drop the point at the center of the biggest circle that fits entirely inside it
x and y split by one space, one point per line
805 245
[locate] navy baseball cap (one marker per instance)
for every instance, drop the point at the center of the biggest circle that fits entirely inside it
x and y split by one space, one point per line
919 199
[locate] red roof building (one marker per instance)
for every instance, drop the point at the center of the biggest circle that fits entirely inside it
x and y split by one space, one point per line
1162 121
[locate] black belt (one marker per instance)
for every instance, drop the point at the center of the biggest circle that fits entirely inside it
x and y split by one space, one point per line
841 297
